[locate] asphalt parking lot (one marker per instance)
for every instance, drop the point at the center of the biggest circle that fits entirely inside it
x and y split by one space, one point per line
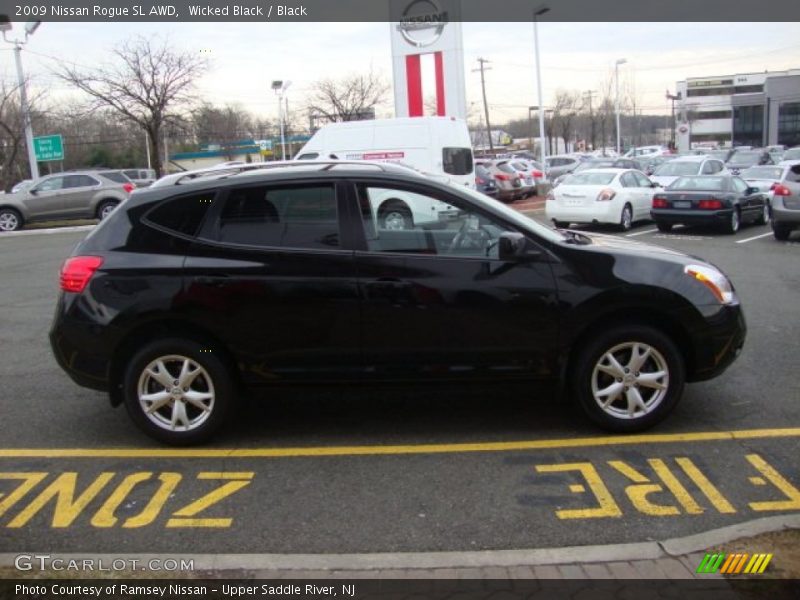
399 469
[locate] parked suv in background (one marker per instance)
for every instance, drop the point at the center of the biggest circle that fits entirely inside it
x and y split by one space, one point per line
285 274
90 194
140 177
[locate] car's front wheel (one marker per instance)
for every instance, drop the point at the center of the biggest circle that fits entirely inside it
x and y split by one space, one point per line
628 378
178 391
10 219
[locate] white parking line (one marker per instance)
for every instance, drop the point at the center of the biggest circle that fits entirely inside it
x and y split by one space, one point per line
756 237
46 231
641 232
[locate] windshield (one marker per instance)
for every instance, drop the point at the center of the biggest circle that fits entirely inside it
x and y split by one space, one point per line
792 154
762 173
746 158
700 184
588 178
512 215
594 164
677 168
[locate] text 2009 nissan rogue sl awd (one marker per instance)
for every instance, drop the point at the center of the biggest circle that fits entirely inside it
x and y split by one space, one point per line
248 276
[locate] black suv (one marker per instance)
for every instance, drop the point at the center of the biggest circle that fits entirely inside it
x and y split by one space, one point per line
209 282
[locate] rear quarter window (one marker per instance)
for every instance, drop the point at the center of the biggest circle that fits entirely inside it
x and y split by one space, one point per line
182 215
116 177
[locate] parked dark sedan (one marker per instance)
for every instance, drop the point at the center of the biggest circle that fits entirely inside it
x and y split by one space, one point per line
743 159
484 181
207 283
723 200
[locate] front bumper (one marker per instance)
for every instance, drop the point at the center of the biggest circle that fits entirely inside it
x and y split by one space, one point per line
719 343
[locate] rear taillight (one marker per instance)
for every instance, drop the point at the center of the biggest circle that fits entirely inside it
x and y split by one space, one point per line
502 177
538 174
128 187
480 181
709 204
77 271
606 195
660 202
780 190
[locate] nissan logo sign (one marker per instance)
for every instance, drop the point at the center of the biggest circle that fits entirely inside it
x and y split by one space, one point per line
422 23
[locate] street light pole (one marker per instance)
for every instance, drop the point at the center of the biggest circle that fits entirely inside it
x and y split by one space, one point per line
537 12
30 28
619 62
280 87
530 125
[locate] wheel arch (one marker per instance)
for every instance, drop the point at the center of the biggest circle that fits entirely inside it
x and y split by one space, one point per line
16 209
656 318
163 328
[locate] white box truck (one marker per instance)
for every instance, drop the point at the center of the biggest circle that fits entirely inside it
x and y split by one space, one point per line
435 145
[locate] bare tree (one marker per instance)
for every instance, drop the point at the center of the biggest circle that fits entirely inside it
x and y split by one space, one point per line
13 157
565 109
149 80
224 126
351 98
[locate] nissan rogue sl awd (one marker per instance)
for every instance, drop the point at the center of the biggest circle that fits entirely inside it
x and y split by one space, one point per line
246 276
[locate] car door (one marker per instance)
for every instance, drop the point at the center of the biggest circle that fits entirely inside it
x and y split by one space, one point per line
44 200
632 194
272 268
77 195
438 303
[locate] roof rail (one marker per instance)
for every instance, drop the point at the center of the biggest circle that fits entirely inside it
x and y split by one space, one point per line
223 171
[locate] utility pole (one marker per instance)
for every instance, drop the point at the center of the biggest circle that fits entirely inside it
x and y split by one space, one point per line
672 136
589 94
481 68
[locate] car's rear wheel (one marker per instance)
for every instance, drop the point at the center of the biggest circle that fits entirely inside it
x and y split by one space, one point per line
628 378
395 216
105 208
560 224
626 218
780 231
733 222
763 218
665 227
10 219
177 391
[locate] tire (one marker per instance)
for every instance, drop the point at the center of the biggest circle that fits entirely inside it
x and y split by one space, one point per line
763 218
212 386
105 208
626 218
560 224
396 216
10 220
665 227
733 224
781 232
593 373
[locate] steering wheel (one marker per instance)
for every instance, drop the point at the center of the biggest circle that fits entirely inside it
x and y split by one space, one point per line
471 239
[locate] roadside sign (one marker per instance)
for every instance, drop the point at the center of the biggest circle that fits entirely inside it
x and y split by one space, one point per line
48 147
264 145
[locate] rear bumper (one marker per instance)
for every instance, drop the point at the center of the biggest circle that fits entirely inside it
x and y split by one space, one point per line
783 215
691 217
598 212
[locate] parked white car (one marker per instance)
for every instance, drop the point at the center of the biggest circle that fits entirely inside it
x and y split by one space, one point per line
645 151
617 196
688 166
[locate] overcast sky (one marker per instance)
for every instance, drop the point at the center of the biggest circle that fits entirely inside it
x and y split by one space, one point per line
245 57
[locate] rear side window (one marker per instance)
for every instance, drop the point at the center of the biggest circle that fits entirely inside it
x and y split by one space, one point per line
282 217
182 215
115 176
457 161
75 181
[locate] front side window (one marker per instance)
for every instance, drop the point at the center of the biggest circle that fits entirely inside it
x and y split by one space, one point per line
401 221
52 184
457 161
297 216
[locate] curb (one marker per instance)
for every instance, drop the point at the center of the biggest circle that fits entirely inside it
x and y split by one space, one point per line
49 231
440 560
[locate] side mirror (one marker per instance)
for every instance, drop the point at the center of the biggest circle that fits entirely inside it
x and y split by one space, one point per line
653 184
752 190
33 191
513 246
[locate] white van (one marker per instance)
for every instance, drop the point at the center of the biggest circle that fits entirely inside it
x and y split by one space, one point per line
435 145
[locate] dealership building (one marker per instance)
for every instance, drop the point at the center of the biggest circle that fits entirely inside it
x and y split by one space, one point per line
747 109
